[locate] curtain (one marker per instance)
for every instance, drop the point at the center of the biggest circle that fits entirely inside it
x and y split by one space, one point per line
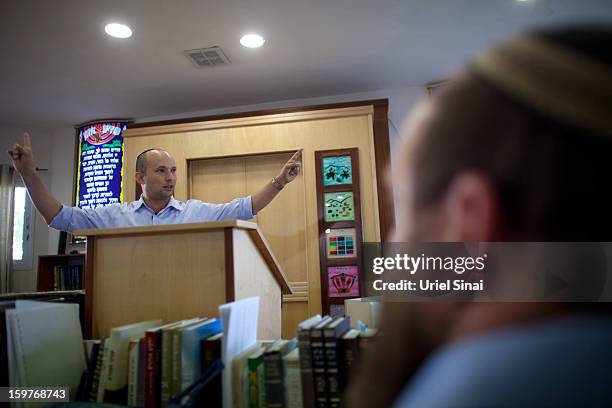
7 189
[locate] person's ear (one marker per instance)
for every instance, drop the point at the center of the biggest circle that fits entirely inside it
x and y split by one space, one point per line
139 176
472 209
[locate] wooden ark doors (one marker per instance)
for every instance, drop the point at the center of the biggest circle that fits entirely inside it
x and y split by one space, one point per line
283 221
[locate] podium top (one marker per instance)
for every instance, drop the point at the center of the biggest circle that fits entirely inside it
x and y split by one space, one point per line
197 226
251 227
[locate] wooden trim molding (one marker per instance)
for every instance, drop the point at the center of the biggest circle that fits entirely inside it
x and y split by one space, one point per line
382 154
280 111
300 293
189 227
230 294
242 122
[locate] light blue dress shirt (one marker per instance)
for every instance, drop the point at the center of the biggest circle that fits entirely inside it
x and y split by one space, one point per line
560 362
137 213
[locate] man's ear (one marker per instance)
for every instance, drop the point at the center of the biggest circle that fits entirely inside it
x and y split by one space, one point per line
473 209
139 178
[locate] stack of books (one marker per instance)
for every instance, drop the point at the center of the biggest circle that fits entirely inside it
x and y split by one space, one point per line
310 370
145 364
67 277
192 362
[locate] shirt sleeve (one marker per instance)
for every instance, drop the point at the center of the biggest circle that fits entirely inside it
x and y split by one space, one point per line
73 219
237 209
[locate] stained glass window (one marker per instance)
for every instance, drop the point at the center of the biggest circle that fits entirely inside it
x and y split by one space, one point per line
343 281
337 170
339 206
341 243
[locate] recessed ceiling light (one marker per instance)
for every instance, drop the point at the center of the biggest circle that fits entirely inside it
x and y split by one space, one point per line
118 30
252 41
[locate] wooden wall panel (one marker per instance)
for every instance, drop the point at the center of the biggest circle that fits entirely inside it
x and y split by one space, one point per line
283 220
217 180
154 270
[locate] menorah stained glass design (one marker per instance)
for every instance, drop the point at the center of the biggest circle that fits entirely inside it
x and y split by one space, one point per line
337 170
343 281
339 206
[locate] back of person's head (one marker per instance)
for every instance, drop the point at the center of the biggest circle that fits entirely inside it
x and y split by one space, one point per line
531 117
534 116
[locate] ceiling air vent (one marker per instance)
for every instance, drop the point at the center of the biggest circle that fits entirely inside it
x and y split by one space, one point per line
207 57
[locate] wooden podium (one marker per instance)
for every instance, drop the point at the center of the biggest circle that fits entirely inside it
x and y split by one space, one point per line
174 272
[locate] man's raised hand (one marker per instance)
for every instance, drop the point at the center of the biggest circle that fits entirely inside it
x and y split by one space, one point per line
292 168
22 157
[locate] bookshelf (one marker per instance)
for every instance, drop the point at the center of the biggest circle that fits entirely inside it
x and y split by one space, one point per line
46 267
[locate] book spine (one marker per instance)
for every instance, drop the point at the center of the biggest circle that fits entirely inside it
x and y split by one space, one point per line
253 395
60 272
73 277
151 370
132 373
77 274
56 277
318 366
331 372
190 350
87 377
211 351
261 385
275 396
307 376
166 366
293 388
103 372
176 385
347 355
186 352
140 389
70 277
95 382
65 272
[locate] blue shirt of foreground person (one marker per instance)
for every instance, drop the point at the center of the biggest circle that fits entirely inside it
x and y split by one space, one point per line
156 173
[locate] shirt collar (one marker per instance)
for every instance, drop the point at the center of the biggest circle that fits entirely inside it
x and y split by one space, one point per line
172 203
175 203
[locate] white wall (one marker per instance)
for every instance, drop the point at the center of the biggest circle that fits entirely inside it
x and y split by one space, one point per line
54 150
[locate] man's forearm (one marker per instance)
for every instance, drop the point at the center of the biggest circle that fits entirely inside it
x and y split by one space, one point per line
263 197
43 200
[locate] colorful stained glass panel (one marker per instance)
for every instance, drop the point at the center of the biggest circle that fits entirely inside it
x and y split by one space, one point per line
339 206
337 170
343 281
341 243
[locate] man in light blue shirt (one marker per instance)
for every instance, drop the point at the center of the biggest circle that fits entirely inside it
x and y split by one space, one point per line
156 173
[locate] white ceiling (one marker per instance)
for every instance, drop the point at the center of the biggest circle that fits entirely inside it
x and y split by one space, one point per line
58 67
